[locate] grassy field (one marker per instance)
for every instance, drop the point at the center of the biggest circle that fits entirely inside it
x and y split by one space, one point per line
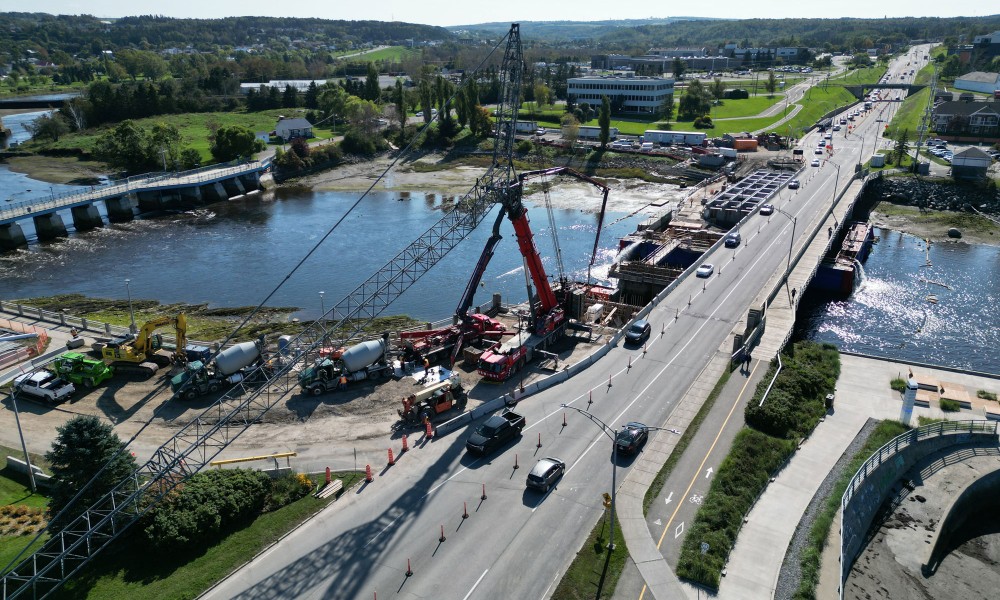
866 76
391 54
15 493
193 127
592 575
908 116
818 101
965 221
133 573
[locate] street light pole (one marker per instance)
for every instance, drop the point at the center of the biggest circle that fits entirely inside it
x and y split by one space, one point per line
322 307
791 242
131 313
24 447
614 465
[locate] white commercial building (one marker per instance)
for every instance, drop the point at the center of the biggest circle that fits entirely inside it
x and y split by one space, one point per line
639 94
978 81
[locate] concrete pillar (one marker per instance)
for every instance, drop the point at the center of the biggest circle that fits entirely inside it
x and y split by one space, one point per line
120 209
11 237
49 226
149 200
233 187
190 196
86 217
214 192
250 181
170 199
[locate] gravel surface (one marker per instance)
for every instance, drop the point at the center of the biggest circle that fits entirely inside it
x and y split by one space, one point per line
791 571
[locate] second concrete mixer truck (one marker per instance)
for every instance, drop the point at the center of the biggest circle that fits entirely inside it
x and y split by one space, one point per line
227 369
367 360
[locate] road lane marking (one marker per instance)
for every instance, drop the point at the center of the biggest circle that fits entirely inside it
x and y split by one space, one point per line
478 581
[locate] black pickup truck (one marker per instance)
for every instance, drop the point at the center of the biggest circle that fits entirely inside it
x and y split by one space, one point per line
496 431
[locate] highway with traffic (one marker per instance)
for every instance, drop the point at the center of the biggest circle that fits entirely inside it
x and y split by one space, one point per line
443 523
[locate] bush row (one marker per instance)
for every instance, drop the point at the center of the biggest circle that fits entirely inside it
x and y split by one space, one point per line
793 408
214 502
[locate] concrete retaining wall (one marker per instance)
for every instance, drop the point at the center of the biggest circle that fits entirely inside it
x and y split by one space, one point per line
861 508
19 466
979 497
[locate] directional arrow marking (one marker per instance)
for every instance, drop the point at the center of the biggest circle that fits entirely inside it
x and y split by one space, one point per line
668 498
708 473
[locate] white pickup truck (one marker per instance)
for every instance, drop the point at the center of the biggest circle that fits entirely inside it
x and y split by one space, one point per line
44 385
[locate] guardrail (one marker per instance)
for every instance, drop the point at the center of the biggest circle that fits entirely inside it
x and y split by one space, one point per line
892 455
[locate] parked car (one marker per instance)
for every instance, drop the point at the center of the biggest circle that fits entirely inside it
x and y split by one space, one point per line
766 209
44 385
631 438
793 184
815 162
705 270
638 332
733 239
545 473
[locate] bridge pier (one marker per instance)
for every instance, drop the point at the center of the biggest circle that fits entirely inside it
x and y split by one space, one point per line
250 181
49 226
213 192
120 209
12 237
149 200
86 217
190 196
233 187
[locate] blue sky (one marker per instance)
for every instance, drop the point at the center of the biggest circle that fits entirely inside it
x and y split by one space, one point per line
449 12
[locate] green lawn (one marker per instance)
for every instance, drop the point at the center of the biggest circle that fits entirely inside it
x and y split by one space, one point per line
866 76
391 54
132 572
193 127
14 491
591 571
745 108
908 116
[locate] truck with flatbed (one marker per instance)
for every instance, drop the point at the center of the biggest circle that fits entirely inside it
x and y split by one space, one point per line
435 400
44 385
495 432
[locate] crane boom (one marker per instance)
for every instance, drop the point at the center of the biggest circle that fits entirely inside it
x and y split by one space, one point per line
68 550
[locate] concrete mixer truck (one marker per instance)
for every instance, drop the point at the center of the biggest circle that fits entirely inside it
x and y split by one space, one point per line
228 368
367 360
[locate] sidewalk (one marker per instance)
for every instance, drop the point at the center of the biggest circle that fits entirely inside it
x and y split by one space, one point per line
862 391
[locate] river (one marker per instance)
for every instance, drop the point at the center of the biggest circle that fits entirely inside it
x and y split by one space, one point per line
935 305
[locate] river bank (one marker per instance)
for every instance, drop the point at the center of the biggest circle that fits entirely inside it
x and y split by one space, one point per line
933 225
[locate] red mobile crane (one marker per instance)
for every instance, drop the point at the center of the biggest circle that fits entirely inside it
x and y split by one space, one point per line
548 318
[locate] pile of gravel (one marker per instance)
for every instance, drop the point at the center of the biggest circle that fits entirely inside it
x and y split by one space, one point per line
791 572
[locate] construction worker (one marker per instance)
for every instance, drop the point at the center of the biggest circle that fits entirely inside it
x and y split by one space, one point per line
343 382
427 370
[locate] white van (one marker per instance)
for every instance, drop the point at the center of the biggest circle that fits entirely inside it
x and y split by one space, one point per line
646 147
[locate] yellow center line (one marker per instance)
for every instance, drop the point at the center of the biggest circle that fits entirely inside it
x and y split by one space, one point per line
697 472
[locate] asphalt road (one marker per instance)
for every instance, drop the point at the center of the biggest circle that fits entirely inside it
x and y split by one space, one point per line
517 543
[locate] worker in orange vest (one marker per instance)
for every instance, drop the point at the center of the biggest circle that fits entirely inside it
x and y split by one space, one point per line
343 382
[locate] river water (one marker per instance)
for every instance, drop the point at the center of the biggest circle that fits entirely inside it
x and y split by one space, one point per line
936 305
234 253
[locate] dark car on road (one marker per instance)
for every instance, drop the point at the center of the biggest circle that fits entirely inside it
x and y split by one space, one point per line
631 438
545 473
638 332
733 240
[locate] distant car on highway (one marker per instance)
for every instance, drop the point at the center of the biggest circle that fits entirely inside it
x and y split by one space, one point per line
705 270
766 209
818 151
733 240
631 438
545 473
793 184
815 162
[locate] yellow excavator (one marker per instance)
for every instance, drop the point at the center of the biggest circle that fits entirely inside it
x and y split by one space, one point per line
137 355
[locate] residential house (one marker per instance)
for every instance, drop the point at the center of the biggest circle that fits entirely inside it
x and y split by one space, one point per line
989 43
294 127
970 119
979 81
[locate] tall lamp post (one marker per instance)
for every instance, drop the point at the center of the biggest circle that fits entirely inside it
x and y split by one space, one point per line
131 312
322 309
608 431
27 458
791 242
835 182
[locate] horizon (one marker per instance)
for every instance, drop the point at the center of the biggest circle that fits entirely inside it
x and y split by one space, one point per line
446 14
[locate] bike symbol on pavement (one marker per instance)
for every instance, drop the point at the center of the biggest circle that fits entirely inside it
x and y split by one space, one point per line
696 499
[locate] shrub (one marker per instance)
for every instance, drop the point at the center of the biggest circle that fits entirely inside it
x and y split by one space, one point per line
525 146
898 384
287 489
984 395
357 143
949 405
205 506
